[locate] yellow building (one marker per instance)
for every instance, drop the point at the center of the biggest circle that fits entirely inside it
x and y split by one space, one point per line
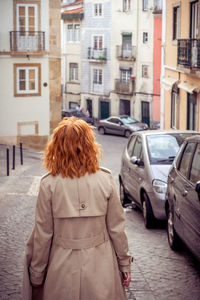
181 70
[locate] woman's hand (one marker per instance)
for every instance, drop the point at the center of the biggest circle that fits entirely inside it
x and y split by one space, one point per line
126 279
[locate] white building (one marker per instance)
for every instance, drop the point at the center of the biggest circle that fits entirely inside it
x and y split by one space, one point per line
29 70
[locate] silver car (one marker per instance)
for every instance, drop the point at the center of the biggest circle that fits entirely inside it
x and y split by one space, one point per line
120 125
144 169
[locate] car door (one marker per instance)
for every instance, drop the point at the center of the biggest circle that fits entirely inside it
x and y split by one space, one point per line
181 186
114 126
190 206
135 171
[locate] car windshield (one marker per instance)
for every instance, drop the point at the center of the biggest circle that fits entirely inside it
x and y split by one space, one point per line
129 120
163 148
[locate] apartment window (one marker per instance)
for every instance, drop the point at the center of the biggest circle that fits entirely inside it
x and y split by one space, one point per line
126 5
70 33
97 76
176 22
27 79
73 32
98 42
98 12
145 37
73 71
125 75
145 4
145 71
174 109
192 111
77 32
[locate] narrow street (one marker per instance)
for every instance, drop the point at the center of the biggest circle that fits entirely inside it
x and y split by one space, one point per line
157 272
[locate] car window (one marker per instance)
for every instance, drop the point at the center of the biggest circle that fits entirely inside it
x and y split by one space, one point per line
137 148
130 145
162 148
195 169
129 120
113 120
186 159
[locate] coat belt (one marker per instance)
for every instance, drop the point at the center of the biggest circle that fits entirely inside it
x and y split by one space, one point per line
82 243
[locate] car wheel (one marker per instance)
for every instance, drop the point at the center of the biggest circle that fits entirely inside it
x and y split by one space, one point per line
127 133
123 196
101 130
147 212
173 239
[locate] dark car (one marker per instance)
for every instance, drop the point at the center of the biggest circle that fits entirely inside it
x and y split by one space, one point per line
145 165
183 197
120 125
78 114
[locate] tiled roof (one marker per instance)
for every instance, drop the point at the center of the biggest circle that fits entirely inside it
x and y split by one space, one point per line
73 11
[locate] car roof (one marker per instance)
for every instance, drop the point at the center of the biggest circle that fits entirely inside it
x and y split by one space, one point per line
164 131
194 138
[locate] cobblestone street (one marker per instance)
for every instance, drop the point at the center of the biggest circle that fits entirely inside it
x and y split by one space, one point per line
157 272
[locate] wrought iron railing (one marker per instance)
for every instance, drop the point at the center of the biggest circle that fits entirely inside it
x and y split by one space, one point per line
23 41
124 87
189 53
97 54
125 52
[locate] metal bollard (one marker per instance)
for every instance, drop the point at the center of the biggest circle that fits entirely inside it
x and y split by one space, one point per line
7 159
13 158
21 153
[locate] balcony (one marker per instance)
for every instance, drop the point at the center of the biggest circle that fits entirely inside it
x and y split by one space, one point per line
125 52
124 87
98 55
189 53
27 41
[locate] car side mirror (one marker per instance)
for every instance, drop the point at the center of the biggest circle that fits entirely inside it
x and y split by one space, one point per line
197 189
136 161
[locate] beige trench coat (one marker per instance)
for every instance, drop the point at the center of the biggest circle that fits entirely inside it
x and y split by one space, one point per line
78 247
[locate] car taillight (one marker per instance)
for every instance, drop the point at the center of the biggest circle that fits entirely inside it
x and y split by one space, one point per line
99 122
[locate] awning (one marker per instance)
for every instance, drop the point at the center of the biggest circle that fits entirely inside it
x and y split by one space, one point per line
189 87
168 82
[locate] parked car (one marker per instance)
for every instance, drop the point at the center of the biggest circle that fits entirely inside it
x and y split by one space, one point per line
79 114
183 197
120 125
144 169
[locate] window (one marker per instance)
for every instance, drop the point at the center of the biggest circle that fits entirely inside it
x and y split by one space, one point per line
125 76
77 32
98 12
176 22
27 80
98 42
73 32
73 71
174 108
97 76
137 151
126 5
192 111
130 145
145 4
195 170
186 158
145 71
145 37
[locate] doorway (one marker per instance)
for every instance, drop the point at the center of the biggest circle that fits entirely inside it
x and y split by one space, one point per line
145 112
104 109
124 107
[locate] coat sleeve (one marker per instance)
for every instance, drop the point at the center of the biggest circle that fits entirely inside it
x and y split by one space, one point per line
43 232
116 227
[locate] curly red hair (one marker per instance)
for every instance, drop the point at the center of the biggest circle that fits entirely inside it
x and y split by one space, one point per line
72 151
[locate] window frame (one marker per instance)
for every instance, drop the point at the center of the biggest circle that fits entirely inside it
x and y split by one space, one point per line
27 92
176 22
145 5
73 71
192 110
145 37
126 5
147 71
73 34
98 10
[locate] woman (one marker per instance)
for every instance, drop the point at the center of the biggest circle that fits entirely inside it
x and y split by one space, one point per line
78 249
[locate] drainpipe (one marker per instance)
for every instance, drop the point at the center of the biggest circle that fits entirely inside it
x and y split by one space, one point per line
162 98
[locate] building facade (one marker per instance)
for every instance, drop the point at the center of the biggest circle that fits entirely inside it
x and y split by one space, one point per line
29 70
117 58
181 76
